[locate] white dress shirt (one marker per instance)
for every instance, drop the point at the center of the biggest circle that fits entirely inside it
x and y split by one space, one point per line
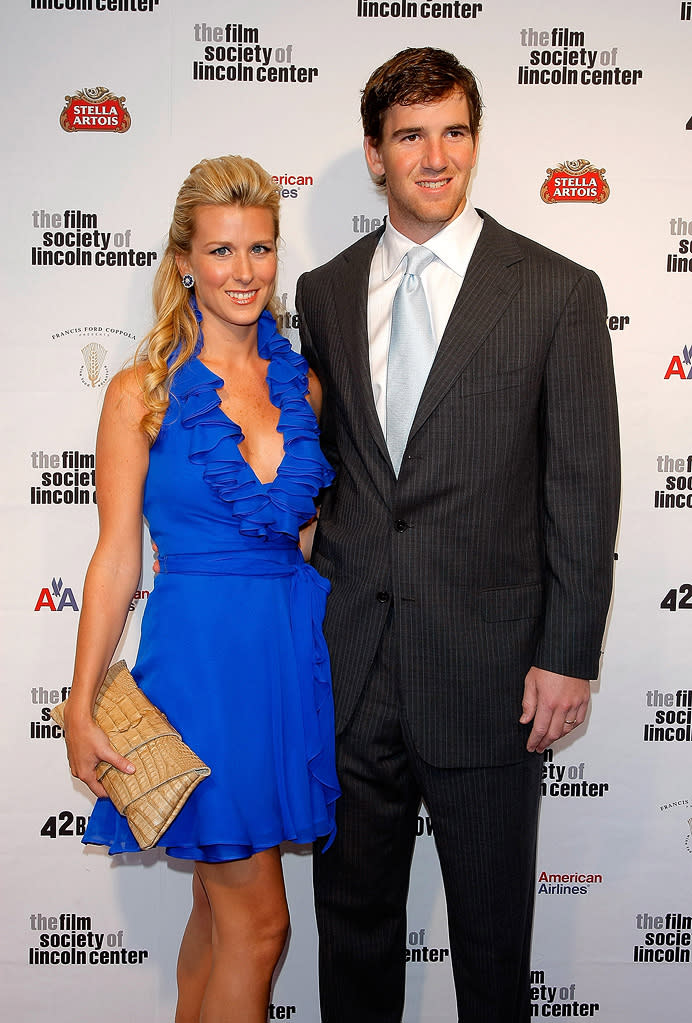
442 279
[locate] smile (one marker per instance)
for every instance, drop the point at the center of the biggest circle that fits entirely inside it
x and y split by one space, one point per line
434 185
242 297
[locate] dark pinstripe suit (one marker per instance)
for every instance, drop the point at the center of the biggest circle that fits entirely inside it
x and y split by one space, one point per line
492 551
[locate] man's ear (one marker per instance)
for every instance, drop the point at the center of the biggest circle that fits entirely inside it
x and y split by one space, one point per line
372 155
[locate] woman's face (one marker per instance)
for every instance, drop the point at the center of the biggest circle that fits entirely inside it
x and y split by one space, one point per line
233 261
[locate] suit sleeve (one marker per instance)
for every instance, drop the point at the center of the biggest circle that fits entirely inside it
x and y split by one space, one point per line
309 351
581 483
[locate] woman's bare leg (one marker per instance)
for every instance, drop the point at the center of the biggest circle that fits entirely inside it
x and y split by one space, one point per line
194 959
248 918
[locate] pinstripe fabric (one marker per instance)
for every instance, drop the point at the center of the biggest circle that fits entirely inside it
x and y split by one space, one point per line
495 544
492 551
484 822
361 883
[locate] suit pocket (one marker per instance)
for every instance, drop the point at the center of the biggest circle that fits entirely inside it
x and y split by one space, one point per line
482 383
510 603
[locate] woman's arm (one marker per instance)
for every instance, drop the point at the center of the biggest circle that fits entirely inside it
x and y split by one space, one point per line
307 531
122 459
314 394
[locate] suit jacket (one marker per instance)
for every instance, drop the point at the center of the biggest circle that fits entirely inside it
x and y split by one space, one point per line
494 547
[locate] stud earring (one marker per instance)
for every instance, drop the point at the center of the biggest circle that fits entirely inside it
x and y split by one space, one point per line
187 280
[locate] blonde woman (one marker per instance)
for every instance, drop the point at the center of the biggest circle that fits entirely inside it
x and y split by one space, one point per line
212 435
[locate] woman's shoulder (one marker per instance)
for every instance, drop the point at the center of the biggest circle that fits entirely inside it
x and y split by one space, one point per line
124 398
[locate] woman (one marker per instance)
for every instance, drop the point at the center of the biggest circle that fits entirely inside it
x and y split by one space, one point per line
212 434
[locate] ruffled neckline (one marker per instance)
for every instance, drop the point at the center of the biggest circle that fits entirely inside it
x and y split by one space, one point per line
266 510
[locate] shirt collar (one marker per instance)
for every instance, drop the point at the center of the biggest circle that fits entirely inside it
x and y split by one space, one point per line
452 245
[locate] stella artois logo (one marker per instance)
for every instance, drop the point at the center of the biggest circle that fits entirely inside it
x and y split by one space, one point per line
575 181
95 109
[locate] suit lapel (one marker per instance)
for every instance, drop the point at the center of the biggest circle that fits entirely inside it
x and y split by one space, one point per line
351 300
490 283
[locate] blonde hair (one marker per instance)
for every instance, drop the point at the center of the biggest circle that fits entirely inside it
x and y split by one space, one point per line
222 181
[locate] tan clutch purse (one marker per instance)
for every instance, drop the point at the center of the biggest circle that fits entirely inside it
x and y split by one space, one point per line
166 770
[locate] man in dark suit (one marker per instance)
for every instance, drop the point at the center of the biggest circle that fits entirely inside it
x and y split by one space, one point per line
471 564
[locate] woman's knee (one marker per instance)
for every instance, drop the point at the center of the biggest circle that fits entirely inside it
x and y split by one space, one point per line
248 904
269 937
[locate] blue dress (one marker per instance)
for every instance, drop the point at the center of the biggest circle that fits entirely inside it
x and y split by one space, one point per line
232 648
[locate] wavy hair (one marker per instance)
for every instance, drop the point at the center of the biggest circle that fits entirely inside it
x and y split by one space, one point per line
222 181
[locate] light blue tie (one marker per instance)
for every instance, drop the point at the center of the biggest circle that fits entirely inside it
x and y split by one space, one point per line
412 349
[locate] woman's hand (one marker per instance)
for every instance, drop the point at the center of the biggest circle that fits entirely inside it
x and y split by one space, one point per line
87 745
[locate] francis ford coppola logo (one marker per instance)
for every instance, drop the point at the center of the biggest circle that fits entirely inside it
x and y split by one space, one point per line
575 181
94 372
96 109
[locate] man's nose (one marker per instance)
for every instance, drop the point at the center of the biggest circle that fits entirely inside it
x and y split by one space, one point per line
435 156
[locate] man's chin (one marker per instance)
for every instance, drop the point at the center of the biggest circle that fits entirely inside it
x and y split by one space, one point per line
439 213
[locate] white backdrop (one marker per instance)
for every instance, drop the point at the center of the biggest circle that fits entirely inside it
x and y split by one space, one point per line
613 921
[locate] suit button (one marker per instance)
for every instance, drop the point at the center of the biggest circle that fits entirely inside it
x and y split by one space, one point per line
383 597
401 526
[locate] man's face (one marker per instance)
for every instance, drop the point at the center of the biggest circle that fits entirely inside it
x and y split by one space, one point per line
427 154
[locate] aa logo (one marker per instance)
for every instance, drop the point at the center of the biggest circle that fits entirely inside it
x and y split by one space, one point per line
57 598
680 365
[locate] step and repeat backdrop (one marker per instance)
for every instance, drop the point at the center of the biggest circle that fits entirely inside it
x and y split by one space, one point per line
586 147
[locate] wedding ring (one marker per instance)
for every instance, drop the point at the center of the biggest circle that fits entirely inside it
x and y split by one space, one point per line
570 722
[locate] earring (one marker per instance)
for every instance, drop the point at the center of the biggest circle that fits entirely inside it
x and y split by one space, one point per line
187 280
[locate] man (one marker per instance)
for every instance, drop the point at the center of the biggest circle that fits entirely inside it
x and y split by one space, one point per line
470 562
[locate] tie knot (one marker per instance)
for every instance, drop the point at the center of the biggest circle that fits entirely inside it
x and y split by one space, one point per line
417 259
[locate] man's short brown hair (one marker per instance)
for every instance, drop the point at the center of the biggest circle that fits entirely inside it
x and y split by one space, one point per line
417 75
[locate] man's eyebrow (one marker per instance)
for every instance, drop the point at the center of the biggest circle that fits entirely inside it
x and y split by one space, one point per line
419 130
401 132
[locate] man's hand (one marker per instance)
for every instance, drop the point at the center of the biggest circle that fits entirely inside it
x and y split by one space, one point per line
555 703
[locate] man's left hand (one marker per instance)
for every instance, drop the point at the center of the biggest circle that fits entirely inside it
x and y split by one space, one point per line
555 703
